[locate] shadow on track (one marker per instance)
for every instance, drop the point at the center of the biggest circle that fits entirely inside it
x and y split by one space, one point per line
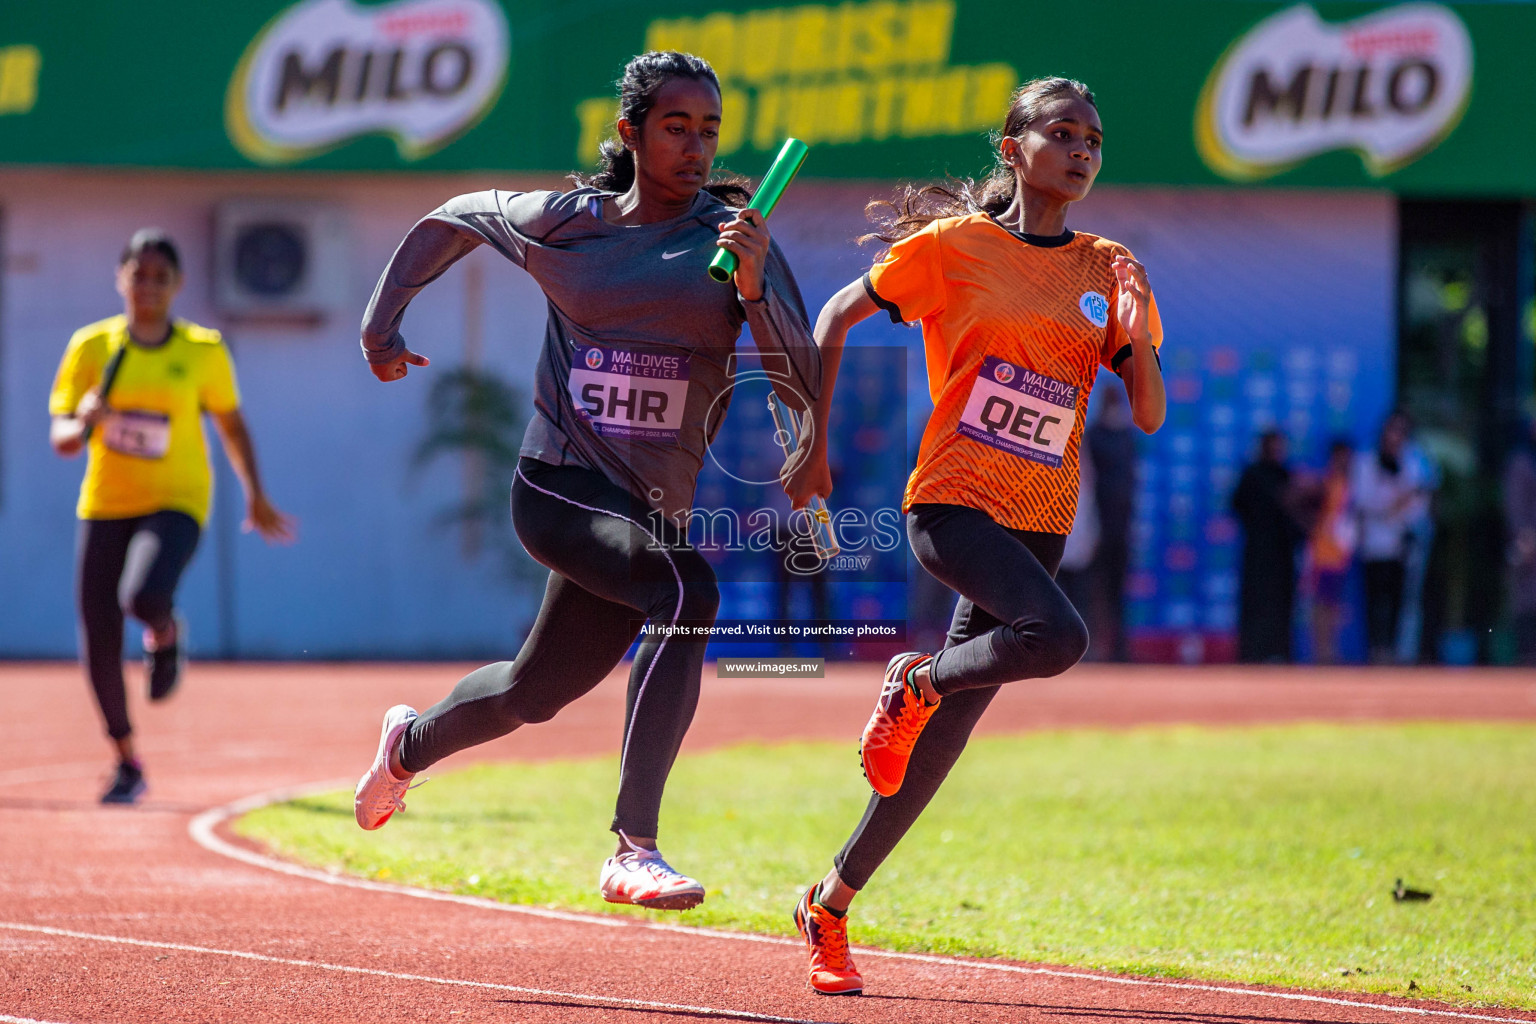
21 803
343 809
573 1004
1093 1013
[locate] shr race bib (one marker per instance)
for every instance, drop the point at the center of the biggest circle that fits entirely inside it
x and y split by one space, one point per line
1024 413
623 393
144 435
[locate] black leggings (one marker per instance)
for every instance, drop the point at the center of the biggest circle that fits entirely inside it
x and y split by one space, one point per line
126 566
1012 622
608 574
1383 603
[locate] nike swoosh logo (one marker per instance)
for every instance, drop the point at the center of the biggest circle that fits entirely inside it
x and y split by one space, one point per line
674 255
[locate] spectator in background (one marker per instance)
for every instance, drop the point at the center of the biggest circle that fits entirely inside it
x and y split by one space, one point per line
1520 526
1419 524
1111 442
1330 549
1387 489
1264 504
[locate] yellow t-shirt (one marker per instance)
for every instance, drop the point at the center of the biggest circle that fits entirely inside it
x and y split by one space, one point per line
149 454
1014 332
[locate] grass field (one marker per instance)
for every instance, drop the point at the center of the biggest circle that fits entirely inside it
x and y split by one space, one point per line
1260 855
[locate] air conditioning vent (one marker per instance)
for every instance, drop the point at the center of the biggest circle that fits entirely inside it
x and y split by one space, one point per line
280 260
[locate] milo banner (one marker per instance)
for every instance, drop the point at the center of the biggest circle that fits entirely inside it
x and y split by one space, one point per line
325 72
1390 86
1351 95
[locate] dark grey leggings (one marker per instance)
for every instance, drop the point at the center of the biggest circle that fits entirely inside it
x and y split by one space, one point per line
1012 622
608 575
133 566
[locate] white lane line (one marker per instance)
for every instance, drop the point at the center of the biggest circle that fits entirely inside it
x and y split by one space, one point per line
4 1019
373 972
202 829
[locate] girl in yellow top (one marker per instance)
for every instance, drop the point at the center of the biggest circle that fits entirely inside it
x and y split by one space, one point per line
131 391
1018 314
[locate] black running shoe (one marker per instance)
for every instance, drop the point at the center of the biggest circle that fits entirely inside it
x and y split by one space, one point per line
127 785
164 665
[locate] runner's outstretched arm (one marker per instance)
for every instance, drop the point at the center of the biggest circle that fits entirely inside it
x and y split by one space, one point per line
435 243
67 433
810 476
779 325
1142 373
260 514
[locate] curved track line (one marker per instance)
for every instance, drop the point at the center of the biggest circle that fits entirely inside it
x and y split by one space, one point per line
203 827
203 831
373 972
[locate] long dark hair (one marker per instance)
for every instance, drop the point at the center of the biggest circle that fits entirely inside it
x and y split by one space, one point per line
917 206
642 79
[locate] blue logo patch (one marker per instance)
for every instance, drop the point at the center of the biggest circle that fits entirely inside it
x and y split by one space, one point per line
1095 307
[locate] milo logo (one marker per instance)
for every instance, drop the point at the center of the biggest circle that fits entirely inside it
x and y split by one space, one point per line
324 72
1390 86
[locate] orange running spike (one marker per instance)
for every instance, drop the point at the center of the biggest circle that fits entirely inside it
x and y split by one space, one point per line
893 728
832 970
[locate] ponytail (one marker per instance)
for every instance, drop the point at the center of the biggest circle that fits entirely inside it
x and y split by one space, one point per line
618 168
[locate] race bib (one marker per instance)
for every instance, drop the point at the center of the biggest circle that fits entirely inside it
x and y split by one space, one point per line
624 393
144 435
1024 413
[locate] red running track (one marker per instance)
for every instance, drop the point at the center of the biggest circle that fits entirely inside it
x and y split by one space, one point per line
118 915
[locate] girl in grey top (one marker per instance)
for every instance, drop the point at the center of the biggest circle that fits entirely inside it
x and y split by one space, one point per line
632 380
631 386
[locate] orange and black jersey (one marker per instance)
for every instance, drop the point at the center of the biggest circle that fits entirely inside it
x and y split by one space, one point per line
1015 328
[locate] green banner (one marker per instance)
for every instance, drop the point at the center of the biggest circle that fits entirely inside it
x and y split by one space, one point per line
1417 97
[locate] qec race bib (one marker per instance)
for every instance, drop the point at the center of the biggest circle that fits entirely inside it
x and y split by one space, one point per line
630 394
1021 412
144 435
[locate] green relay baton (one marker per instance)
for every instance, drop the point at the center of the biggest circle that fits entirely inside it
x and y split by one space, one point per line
790 157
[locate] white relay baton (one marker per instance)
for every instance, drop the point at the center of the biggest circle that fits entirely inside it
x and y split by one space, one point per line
786 430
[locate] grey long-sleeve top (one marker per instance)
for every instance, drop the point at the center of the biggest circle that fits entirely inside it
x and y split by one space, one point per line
634 377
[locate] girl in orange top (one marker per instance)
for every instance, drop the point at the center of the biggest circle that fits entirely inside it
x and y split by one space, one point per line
1330 552
1018 314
